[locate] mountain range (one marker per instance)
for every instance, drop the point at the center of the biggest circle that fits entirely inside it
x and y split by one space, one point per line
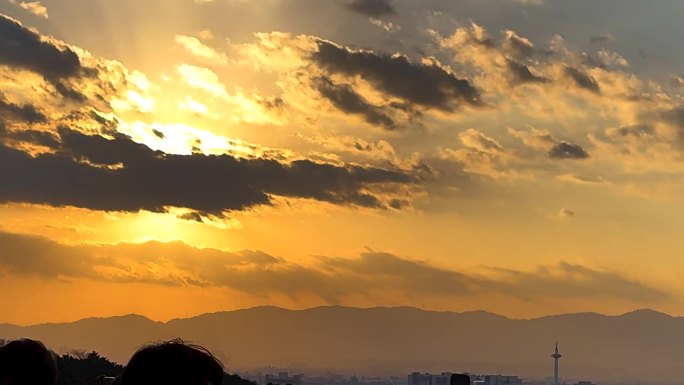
643 346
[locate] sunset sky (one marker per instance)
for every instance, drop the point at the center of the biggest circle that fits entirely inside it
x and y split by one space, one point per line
176 157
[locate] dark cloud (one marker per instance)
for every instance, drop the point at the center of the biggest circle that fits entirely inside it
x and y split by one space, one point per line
566 213
120 175
372 8
521 73
41 138
26 113
332 279
565 150
637 130
36 256
69 92
23 48
582 79
60 66
427 85
604 38
675 117
345 98
158 134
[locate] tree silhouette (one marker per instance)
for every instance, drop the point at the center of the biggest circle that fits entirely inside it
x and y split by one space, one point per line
80 368
234 379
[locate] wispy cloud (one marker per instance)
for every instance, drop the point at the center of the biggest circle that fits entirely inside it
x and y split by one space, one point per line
200 50
35 7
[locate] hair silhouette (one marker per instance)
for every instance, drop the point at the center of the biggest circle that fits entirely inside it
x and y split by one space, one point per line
27 362
172 363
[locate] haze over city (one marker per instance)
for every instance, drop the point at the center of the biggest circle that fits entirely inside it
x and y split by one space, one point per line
173 158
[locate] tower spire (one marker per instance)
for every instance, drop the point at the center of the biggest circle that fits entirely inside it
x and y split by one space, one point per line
556 356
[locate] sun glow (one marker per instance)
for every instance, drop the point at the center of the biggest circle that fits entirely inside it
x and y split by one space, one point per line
183 139
174 225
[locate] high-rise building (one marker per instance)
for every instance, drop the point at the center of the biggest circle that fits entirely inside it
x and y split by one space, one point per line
498 379
556 356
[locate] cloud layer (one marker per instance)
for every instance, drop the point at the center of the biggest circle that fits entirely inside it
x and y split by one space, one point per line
334 280
77 157
117 174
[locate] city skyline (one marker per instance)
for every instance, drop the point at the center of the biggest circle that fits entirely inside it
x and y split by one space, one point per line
181 157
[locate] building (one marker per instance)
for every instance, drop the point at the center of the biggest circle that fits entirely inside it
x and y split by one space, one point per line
416 378
283 378
501 380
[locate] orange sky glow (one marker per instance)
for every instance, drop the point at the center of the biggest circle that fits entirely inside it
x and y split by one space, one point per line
215 155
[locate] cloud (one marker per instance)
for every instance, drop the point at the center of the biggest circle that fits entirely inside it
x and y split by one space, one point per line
678 81
568 280
565 150
205 34
424 84
250 108
474 139
521 73
202 79
517 45
40 138
347 100
108 171
355 147
388 90
582 79
496 65
23 113
611 59
34 7
71 74
603 38
542 140
565 213
674 117
581 179
481 154
372 8
192 105
118 174
200 50
386 25
333 279
23 48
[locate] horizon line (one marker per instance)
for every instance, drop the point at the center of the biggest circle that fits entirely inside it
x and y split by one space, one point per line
281 308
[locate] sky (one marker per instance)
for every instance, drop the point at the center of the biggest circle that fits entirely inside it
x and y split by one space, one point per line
176 157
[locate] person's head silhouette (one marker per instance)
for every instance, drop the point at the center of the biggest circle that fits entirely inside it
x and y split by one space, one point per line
27 362
172 363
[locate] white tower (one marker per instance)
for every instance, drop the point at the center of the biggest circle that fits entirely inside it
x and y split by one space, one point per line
556 356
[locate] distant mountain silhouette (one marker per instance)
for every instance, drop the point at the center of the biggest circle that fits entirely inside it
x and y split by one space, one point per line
643 345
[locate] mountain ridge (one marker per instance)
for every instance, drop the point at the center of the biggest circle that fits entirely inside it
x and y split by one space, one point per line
270 307
637 345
